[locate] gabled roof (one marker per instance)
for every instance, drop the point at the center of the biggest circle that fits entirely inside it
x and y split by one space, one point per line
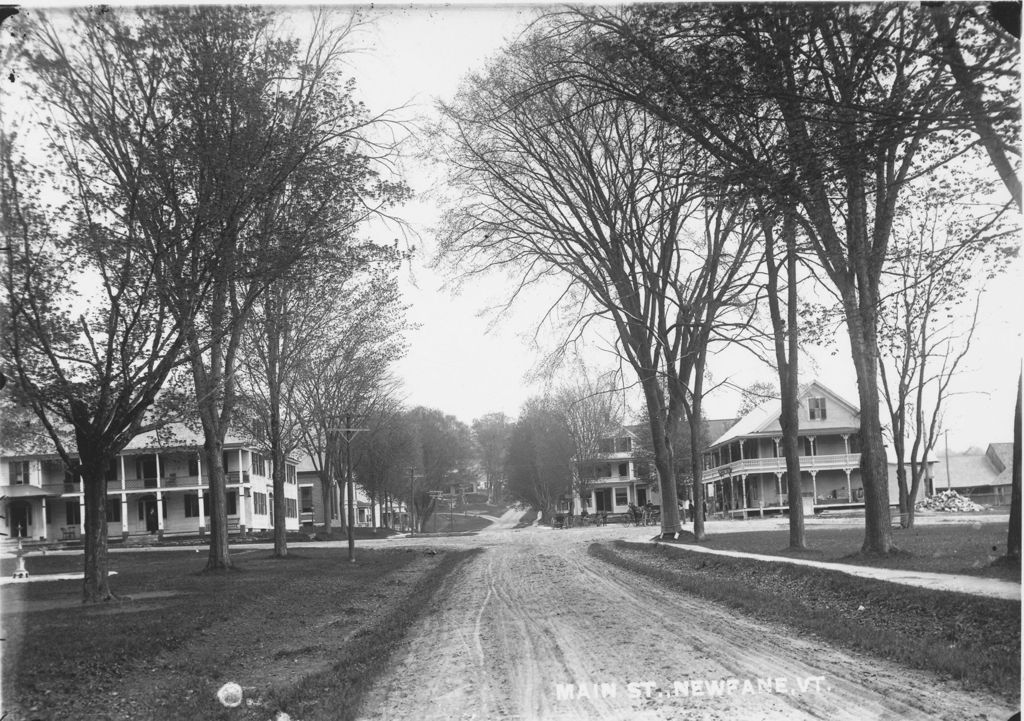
766 414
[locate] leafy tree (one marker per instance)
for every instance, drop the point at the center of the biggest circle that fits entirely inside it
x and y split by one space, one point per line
345 376
442 452
755 395
381 455
540 460
225 129
491 436
88 359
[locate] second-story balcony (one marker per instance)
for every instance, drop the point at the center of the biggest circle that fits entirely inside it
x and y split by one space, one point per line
839 461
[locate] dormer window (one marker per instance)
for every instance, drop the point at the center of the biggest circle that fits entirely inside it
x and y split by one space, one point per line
816 409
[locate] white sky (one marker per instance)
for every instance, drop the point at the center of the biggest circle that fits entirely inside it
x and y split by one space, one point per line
414 54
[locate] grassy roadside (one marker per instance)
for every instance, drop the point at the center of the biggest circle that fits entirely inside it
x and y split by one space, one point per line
967 548
336 693
972 639
275 627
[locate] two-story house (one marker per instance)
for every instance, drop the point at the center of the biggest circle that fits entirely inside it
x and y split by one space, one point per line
745 471
620 474
156 486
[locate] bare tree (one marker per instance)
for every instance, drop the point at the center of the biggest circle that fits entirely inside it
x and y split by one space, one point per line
861 112
592 411
925 330
556 180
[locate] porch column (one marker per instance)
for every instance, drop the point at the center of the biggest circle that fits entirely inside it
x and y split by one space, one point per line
846 443
849 490
81 507
743 488
241 470
778 485
124 498
159 498
814 485
44 518
199 492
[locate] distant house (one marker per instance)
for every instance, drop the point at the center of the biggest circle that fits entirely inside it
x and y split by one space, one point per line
622 474
745 471
156 486
312 509
983 476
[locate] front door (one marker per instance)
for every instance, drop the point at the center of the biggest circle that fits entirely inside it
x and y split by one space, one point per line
147 512
21 517
603 500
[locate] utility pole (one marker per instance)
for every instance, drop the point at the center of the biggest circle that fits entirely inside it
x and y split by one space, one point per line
948 479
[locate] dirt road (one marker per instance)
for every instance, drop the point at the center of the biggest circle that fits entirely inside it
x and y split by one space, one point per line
534 628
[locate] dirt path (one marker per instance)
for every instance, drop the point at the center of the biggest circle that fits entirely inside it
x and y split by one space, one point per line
536 629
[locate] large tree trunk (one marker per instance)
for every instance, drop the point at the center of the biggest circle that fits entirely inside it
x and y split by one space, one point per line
860 323
787 349
661 431
95 586
219 558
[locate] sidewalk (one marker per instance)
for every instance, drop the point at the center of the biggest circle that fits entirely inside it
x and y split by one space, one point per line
975 585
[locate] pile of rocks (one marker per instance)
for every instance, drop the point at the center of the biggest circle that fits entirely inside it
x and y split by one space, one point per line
949 501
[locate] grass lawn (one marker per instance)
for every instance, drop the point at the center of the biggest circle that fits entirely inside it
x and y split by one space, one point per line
306 635
972 639
948 548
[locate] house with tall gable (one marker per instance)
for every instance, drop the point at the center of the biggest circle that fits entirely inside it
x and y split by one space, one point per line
745 471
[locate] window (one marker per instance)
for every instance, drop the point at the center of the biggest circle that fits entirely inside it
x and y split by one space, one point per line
192 505
290 474
642 469
621 496
291 509
72 513
606 445
270 506
259 503
624 470
233 503
19 473
855 443
259 466
306 496
193 467
816 408
641 496
113 510
624 445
